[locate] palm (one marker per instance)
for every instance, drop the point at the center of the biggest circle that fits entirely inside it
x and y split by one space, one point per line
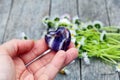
34 70
21 70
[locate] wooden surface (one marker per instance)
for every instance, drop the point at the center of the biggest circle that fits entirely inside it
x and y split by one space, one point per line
26 16
97 69
5 8
18 16
113 7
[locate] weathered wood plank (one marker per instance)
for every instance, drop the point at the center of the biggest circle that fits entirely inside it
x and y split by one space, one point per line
26 16
97 70
113 7
90 10
74 74
62 7
5 6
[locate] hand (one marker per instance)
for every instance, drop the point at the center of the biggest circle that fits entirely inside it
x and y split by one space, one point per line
16 53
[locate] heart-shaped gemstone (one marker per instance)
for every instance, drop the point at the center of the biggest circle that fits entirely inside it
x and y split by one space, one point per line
59 39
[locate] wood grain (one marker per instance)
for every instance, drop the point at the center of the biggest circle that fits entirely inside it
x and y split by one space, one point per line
98 70
74 74
113 7
59 8
26 16
5 6
90 10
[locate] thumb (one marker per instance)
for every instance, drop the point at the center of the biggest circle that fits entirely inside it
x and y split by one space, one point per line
16 47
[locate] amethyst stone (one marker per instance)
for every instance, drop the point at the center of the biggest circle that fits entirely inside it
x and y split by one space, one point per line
59 39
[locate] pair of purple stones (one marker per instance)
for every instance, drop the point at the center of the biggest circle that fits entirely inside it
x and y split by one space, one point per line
59 39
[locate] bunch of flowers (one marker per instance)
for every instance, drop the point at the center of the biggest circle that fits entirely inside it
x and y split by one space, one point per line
92 39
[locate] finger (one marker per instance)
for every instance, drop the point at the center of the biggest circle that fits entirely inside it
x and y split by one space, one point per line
16 47
71 54
39 47
54 66
26 75
38 64
72 45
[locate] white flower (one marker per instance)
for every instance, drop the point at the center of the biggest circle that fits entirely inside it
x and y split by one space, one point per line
44 20
67 72
102 35
78 45
74 19
64 71
118 67
56 25
82 42
73 39
54 17
98 24
66 21
84 54
89 25
83 25
73 32
65 16
85 58
23 35
75 27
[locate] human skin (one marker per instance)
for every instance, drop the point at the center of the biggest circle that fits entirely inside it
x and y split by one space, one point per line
16 53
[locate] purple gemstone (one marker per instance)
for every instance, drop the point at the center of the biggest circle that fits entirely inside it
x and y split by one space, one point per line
59 39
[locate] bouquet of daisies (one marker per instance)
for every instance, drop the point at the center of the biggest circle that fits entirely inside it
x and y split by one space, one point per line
92 39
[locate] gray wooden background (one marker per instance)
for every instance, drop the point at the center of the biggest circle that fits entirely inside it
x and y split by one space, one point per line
18 16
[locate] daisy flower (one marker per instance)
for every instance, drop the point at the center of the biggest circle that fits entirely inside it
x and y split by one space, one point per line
73 34
118 67
64 71
66 16
89 25
45 19
56 18
64 22
102 35
23 36
75 27
85 58
98 24
76 20
82 42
